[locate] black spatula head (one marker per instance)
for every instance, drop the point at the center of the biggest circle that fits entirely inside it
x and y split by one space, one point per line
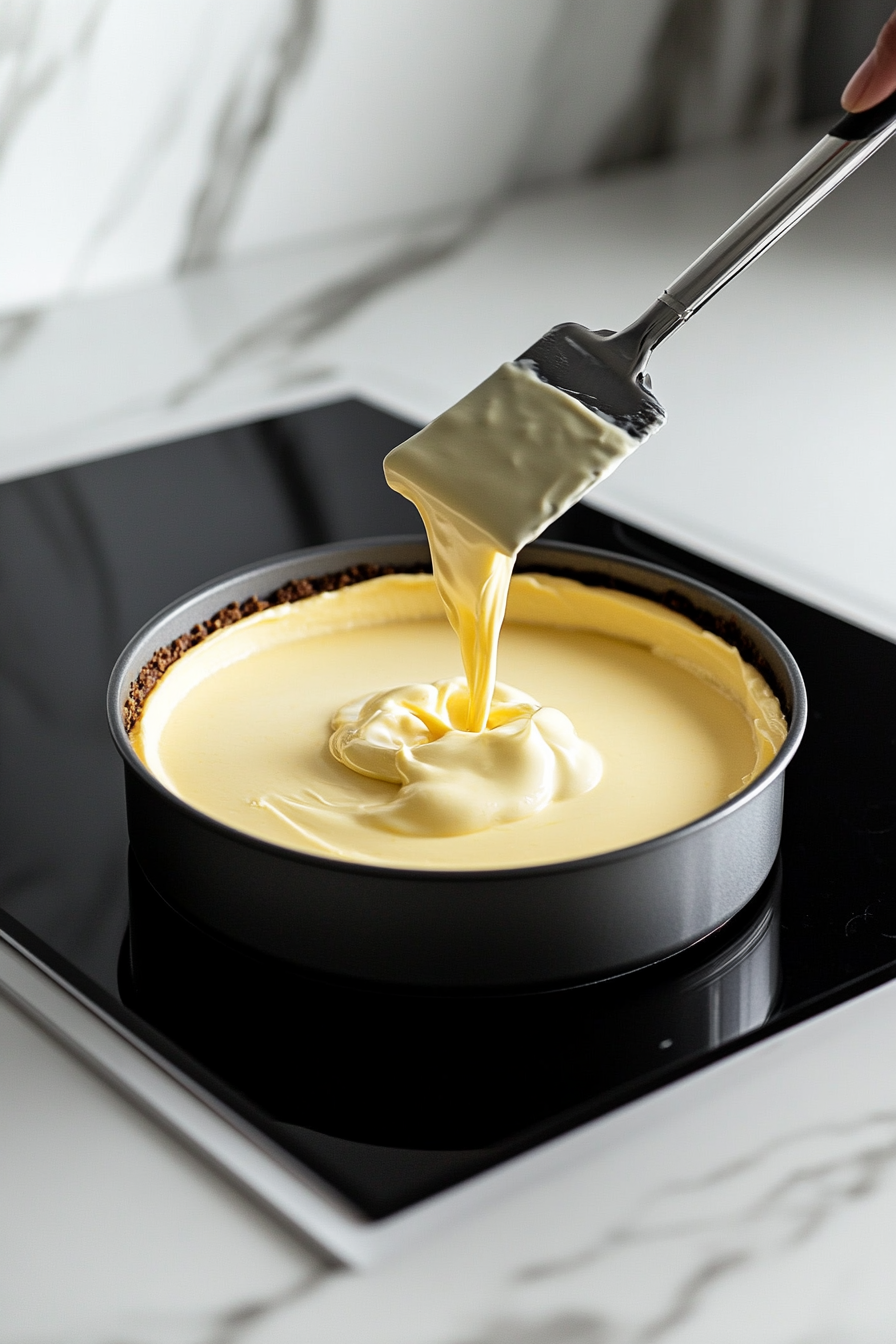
596 369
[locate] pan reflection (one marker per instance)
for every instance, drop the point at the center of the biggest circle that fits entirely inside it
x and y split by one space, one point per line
437 1071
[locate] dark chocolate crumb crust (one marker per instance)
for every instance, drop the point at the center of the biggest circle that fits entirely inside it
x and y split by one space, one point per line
294 591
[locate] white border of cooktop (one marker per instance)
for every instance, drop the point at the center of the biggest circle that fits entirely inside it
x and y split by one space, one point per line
233 1147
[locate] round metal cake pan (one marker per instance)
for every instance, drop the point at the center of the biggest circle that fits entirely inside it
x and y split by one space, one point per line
552 924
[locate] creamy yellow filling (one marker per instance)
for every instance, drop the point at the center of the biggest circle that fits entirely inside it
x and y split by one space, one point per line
239 727
452 781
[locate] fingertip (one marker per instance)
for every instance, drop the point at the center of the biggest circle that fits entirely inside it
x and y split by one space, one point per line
855 93
875 78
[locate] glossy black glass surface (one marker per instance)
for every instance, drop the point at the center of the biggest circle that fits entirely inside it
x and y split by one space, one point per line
387 1096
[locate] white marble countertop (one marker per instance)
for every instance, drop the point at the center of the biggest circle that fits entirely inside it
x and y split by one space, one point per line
753 1201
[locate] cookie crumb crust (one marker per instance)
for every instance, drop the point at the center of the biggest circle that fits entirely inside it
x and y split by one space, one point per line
297 589
294 591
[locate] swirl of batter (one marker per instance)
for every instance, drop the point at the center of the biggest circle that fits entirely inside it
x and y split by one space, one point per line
454 782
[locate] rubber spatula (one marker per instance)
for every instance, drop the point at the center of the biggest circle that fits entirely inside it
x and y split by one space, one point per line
603 371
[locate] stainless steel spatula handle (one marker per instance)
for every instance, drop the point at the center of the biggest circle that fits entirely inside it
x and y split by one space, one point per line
604 370
853 140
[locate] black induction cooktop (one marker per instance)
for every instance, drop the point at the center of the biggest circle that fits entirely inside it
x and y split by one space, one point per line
389 1097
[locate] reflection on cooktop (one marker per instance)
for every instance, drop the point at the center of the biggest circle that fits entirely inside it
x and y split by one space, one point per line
436 1070
387 1096
435 1075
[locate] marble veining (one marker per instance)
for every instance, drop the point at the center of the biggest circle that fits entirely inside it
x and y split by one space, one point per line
226 100
145 160
35 49
771 92
687 1240
689 1261
691 91
802 1179
15 329
233 1323
656 1275
140 142
282 335
243 116
247 114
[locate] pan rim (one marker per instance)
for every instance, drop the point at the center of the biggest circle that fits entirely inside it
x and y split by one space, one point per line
121 673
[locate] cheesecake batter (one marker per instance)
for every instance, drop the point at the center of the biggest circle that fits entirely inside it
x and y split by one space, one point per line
668 718
488 476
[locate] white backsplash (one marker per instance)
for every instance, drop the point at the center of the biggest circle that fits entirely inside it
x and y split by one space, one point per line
140 140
